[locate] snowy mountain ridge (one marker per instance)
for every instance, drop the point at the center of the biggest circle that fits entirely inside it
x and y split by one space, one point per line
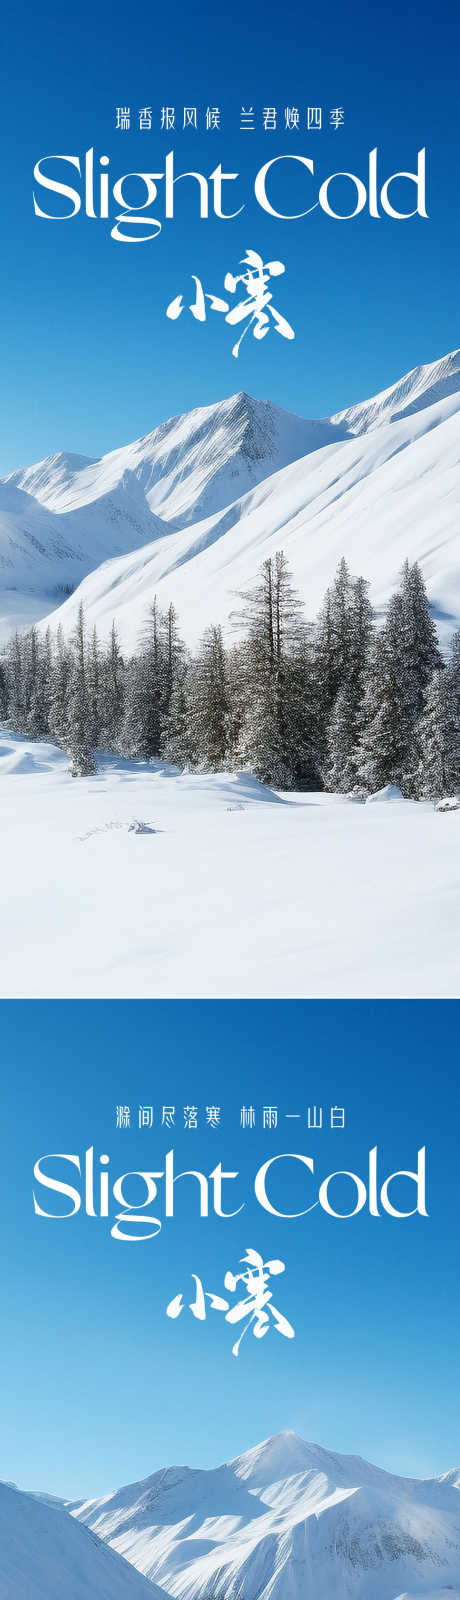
420 388
187 467
287 1520
191 509
44 1555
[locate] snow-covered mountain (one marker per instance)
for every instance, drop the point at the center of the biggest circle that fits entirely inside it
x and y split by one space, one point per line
420 388
287 1521
192 509
61 518
190 466
44 1555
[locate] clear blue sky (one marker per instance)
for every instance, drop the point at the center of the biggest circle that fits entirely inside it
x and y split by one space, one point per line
97 1386
89 360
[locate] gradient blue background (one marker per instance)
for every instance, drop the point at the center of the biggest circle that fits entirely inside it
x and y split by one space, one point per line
97 1386
89 358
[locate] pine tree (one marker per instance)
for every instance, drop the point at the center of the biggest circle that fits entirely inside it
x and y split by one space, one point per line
59 689
178 745
145 693
405 656
173 652
279 733
94 689
208 702
34 717
16 686
385 751
346 720
79 711
419 652
4 697
334 631
438 734
342 771
454 665
112 693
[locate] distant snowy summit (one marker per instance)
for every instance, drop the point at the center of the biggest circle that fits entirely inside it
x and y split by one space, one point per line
190 510
287 1520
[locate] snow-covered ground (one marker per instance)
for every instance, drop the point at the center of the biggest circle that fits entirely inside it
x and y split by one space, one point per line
145 882
287 1520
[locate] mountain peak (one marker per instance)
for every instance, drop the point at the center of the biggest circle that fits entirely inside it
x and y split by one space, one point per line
280 1456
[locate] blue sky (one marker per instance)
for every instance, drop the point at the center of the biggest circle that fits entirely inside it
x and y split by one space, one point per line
97 1385
89 359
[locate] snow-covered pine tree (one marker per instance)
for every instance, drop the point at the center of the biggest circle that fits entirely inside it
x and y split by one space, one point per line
438 735
3 690
61 669
34 723
78 733
346 719
208 702
46 675
112 692
178 748
420 655
454 664
94 689
16 686
142 736
237 695
342 770
173 655
385 752
405 655
279 733
332 647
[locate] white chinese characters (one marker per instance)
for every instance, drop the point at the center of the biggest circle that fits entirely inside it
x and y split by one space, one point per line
255 308
255 1308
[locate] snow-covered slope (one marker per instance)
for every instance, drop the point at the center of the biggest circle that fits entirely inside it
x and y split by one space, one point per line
192 508
45 553
44 1555
376 498
421 387
188 467
287 1521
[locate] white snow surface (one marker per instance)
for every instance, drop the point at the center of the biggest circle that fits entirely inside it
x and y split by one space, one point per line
45 1555
287 1520
143 881
190 510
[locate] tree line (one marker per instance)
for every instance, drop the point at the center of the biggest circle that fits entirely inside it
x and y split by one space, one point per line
339 704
